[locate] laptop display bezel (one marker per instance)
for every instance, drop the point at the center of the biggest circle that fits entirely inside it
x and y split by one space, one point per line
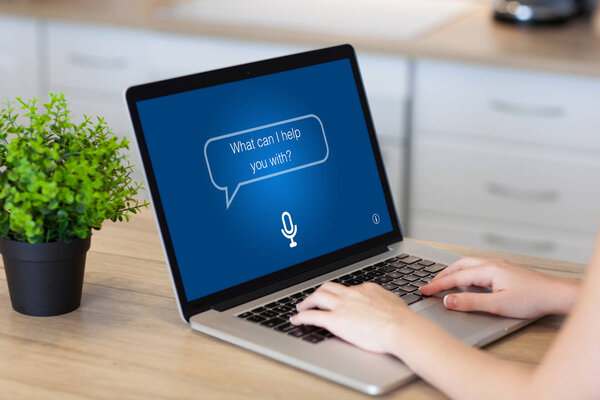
237 73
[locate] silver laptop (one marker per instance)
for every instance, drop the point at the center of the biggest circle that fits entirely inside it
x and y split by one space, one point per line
266 181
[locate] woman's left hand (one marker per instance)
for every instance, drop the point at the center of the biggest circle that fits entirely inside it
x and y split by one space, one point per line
365 315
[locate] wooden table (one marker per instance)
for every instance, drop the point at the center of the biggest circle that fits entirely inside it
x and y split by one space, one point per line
127 340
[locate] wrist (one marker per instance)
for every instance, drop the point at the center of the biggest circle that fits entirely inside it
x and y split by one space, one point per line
406 329
563 294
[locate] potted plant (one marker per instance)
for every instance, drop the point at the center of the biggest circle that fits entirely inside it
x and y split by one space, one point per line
59 180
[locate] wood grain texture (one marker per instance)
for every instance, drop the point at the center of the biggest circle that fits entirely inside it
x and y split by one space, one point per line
128 342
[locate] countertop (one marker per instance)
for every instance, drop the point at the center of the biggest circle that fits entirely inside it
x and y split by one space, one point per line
472 36
127 341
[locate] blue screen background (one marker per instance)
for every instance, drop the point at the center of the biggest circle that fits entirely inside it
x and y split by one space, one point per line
332 203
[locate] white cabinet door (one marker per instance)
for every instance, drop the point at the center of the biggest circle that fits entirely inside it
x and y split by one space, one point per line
508 105
549 190
502 236
19 61
386 84
97 59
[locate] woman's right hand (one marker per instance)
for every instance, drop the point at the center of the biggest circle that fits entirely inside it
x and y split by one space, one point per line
516 291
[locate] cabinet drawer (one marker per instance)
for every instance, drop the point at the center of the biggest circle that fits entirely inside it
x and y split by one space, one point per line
95 58
507 104
18 58
502 236
510 184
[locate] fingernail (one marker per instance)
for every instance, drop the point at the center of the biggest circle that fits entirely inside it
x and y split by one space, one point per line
449 301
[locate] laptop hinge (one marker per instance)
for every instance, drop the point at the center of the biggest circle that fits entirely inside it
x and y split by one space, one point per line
313 273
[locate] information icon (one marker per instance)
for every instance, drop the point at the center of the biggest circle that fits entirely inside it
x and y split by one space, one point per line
376 219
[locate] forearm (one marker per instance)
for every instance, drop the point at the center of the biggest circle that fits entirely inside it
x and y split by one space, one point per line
460 371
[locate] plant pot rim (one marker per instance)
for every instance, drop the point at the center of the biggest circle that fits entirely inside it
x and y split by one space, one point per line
43 252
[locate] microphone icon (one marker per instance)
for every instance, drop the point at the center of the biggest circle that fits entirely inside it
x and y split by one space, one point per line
289 233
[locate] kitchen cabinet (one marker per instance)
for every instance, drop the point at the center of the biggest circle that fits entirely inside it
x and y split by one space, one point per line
510 158
19 58
93 64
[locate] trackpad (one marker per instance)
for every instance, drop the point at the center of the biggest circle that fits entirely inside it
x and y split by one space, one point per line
460 324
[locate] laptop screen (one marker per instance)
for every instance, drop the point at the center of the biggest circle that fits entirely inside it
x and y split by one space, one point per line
261 174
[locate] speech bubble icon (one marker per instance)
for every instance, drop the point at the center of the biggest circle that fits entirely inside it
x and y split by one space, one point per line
240 158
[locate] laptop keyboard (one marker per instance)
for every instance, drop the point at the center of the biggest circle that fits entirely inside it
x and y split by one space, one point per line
401 275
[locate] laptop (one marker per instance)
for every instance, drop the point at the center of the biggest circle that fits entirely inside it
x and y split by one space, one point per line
267 180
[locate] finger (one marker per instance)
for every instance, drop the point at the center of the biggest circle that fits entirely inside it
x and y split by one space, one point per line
465 262
312 317
332 287
477 276
322 299
487 302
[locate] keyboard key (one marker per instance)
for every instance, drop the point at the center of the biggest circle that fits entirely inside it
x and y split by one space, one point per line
420 274
312 338
410 298
286 315
268 314
282 309
297 296
369 268
418 283
435 268
270 323
426 263
415 266
387 268
394 275
309 291
362 279
399 292
258 310
410 278
408 288
256 318
400 282
397 264
273 304
286 327
405 270
401 256
383 279
389 286
302 330
245 315
286 300
410 260
353 282
376 273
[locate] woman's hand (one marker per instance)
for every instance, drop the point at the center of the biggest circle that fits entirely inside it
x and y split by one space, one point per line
365 315
516 291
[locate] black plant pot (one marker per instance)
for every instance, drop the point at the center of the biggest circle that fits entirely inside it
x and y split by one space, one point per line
44 279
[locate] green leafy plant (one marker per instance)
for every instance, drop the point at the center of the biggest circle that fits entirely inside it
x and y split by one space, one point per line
59 180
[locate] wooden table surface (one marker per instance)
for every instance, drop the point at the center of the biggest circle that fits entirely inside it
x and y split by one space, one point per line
127 340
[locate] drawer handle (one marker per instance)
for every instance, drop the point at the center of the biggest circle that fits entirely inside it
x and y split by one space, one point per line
495 239
526 109
96 62
500 190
